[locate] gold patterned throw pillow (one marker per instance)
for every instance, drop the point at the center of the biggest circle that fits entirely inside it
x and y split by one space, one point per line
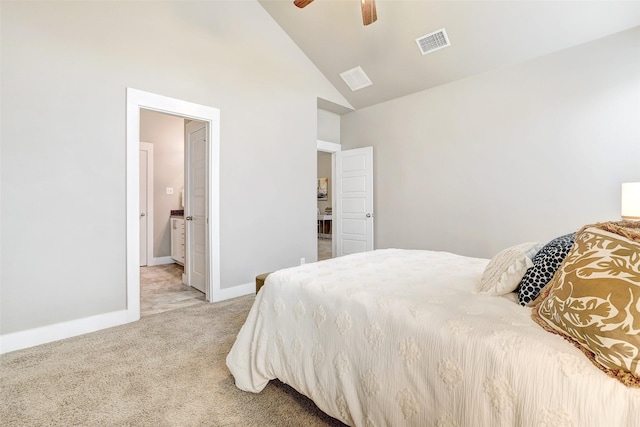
594 298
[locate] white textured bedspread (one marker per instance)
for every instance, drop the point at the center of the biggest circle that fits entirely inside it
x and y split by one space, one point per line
401 337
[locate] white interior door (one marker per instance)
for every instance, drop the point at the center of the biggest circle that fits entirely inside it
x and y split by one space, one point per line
146 203
196 206
354 201
144 219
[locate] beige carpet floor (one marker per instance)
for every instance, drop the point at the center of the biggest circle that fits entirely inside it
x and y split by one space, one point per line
167 369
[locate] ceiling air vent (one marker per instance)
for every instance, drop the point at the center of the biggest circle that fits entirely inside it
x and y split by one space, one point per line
355 78
433 41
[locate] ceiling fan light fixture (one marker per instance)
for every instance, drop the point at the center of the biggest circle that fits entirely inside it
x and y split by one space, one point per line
356 78
302 3
369 15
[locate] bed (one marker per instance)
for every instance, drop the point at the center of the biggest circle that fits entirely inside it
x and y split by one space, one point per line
399 337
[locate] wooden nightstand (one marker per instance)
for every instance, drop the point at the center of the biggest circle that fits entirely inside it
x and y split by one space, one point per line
260 280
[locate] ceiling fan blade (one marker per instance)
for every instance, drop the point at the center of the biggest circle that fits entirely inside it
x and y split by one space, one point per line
302 3
369 15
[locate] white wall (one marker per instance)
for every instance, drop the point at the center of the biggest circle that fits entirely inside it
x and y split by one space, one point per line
65 70
166 133
328 126
519 154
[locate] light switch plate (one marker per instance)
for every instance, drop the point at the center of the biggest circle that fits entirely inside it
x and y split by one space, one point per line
169 190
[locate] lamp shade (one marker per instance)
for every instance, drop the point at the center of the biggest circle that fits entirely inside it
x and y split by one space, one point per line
631 200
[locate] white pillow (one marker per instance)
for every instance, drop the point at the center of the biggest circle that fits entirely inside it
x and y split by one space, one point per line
505 270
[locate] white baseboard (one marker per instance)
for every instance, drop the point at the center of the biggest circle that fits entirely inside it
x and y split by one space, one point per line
42 335
162 260
236 291
36 336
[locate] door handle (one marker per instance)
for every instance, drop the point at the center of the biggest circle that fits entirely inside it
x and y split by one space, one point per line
189 218
142 214
369 215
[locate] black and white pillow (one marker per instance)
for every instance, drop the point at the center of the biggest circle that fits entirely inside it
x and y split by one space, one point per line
545 264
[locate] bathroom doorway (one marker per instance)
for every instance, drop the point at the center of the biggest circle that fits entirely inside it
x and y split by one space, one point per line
325 205
327 216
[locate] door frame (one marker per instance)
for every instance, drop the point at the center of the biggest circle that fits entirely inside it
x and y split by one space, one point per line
148 147
333 148
137 99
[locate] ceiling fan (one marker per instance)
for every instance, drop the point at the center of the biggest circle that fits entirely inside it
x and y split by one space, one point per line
369 15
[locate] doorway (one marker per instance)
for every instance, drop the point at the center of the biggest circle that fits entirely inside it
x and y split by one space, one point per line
137 100
325 205
327 215
172 272
352 204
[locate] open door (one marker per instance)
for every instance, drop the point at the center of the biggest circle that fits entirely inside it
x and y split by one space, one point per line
354 201
146 203
195 208
144 219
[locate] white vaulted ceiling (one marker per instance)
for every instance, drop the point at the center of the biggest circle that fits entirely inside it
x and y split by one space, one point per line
484 35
